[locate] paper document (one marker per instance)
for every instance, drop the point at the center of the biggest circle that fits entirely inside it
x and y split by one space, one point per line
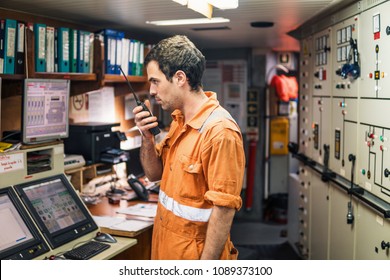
119 223
140 209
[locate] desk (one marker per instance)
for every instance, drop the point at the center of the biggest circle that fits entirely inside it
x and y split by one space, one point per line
140 251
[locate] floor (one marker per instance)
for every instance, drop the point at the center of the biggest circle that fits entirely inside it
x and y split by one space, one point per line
262 241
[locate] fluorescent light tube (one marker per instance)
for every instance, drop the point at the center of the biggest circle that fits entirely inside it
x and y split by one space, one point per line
189 21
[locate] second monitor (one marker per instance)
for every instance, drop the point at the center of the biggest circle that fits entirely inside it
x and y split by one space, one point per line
57 209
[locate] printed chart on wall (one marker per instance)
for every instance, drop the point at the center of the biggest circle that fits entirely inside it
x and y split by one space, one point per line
93 106
228 78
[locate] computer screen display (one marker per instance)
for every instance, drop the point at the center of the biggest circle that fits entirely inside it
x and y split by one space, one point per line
19 237
45 110
57 209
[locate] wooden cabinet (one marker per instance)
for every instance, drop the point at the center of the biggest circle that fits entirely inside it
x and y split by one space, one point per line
79 177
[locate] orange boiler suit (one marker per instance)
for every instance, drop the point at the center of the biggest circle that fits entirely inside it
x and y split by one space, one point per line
203 165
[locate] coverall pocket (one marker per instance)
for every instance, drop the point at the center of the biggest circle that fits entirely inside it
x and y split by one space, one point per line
230 252
193 183
182 247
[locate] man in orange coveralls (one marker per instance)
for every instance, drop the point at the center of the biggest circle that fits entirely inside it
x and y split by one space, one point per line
200 162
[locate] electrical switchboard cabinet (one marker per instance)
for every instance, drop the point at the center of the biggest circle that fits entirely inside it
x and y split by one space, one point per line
344 134
305 96
341 234
374 103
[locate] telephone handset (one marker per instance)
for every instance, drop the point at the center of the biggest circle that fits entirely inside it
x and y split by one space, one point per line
139 189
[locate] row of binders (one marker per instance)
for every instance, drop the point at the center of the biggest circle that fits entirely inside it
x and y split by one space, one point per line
62 49
56 49
12 58
123 52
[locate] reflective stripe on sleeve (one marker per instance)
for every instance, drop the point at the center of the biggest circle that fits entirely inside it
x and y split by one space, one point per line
184 211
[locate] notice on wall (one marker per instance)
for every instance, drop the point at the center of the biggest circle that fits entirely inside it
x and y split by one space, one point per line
102 105
11 162
93 106
130 104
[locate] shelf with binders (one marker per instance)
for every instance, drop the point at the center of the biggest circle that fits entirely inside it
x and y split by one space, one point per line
112 78
81 82
31 65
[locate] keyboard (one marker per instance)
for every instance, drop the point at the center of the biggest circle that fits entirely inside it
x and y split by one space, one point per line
86 251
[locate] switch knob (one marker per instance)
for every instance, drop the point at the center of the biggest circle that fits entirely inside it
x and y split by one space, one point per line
387 173
385 245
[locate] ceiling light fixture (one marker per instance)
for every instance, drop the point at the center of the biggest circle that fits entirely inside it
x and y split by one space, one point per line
205 7
224 4
189 21
201 7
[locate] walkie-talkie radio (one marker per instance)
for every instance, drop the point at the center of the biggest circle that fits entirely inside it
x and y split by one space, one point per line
154 130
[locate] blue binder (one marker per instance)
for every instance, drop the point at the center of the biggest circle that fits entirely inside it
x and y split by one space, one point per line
2 31
111 38
118 52
9 46
40 46
63 49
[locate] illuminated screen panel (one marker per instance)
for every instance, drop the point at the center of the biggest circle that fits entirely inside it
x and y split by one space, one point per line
19 238
57 209
45 110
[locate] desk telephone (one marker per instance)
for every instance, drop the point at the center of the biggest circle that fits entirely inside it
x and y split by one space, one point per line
139 189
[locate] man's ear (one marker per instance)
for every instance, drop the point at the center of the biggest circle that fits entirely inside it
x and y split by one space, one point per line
181 77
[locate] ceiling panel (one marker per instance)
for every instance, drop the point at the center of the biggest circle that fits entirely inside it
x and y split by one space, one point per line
131 15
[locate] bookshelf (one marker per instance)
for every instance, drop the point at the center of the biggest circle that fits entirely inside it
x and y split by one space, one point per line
12 84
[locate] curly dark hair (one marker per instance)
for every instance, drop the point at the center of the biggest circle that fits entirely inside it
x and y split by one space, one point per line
178 53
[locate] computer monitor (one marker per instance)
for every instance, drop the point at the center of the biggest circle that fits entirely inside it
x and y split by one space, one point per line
45 110
19 237
133 165
57 209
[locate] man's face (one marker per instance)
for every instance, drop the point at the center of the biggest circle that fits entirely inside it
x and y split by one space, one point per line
164 91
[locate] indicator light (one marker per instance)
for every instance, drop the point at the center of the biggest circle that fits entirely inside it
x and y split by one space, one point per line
363 172
343 104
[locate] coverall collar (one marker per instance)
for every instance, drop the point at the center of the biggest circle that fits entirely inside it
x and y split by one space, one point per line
199 118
